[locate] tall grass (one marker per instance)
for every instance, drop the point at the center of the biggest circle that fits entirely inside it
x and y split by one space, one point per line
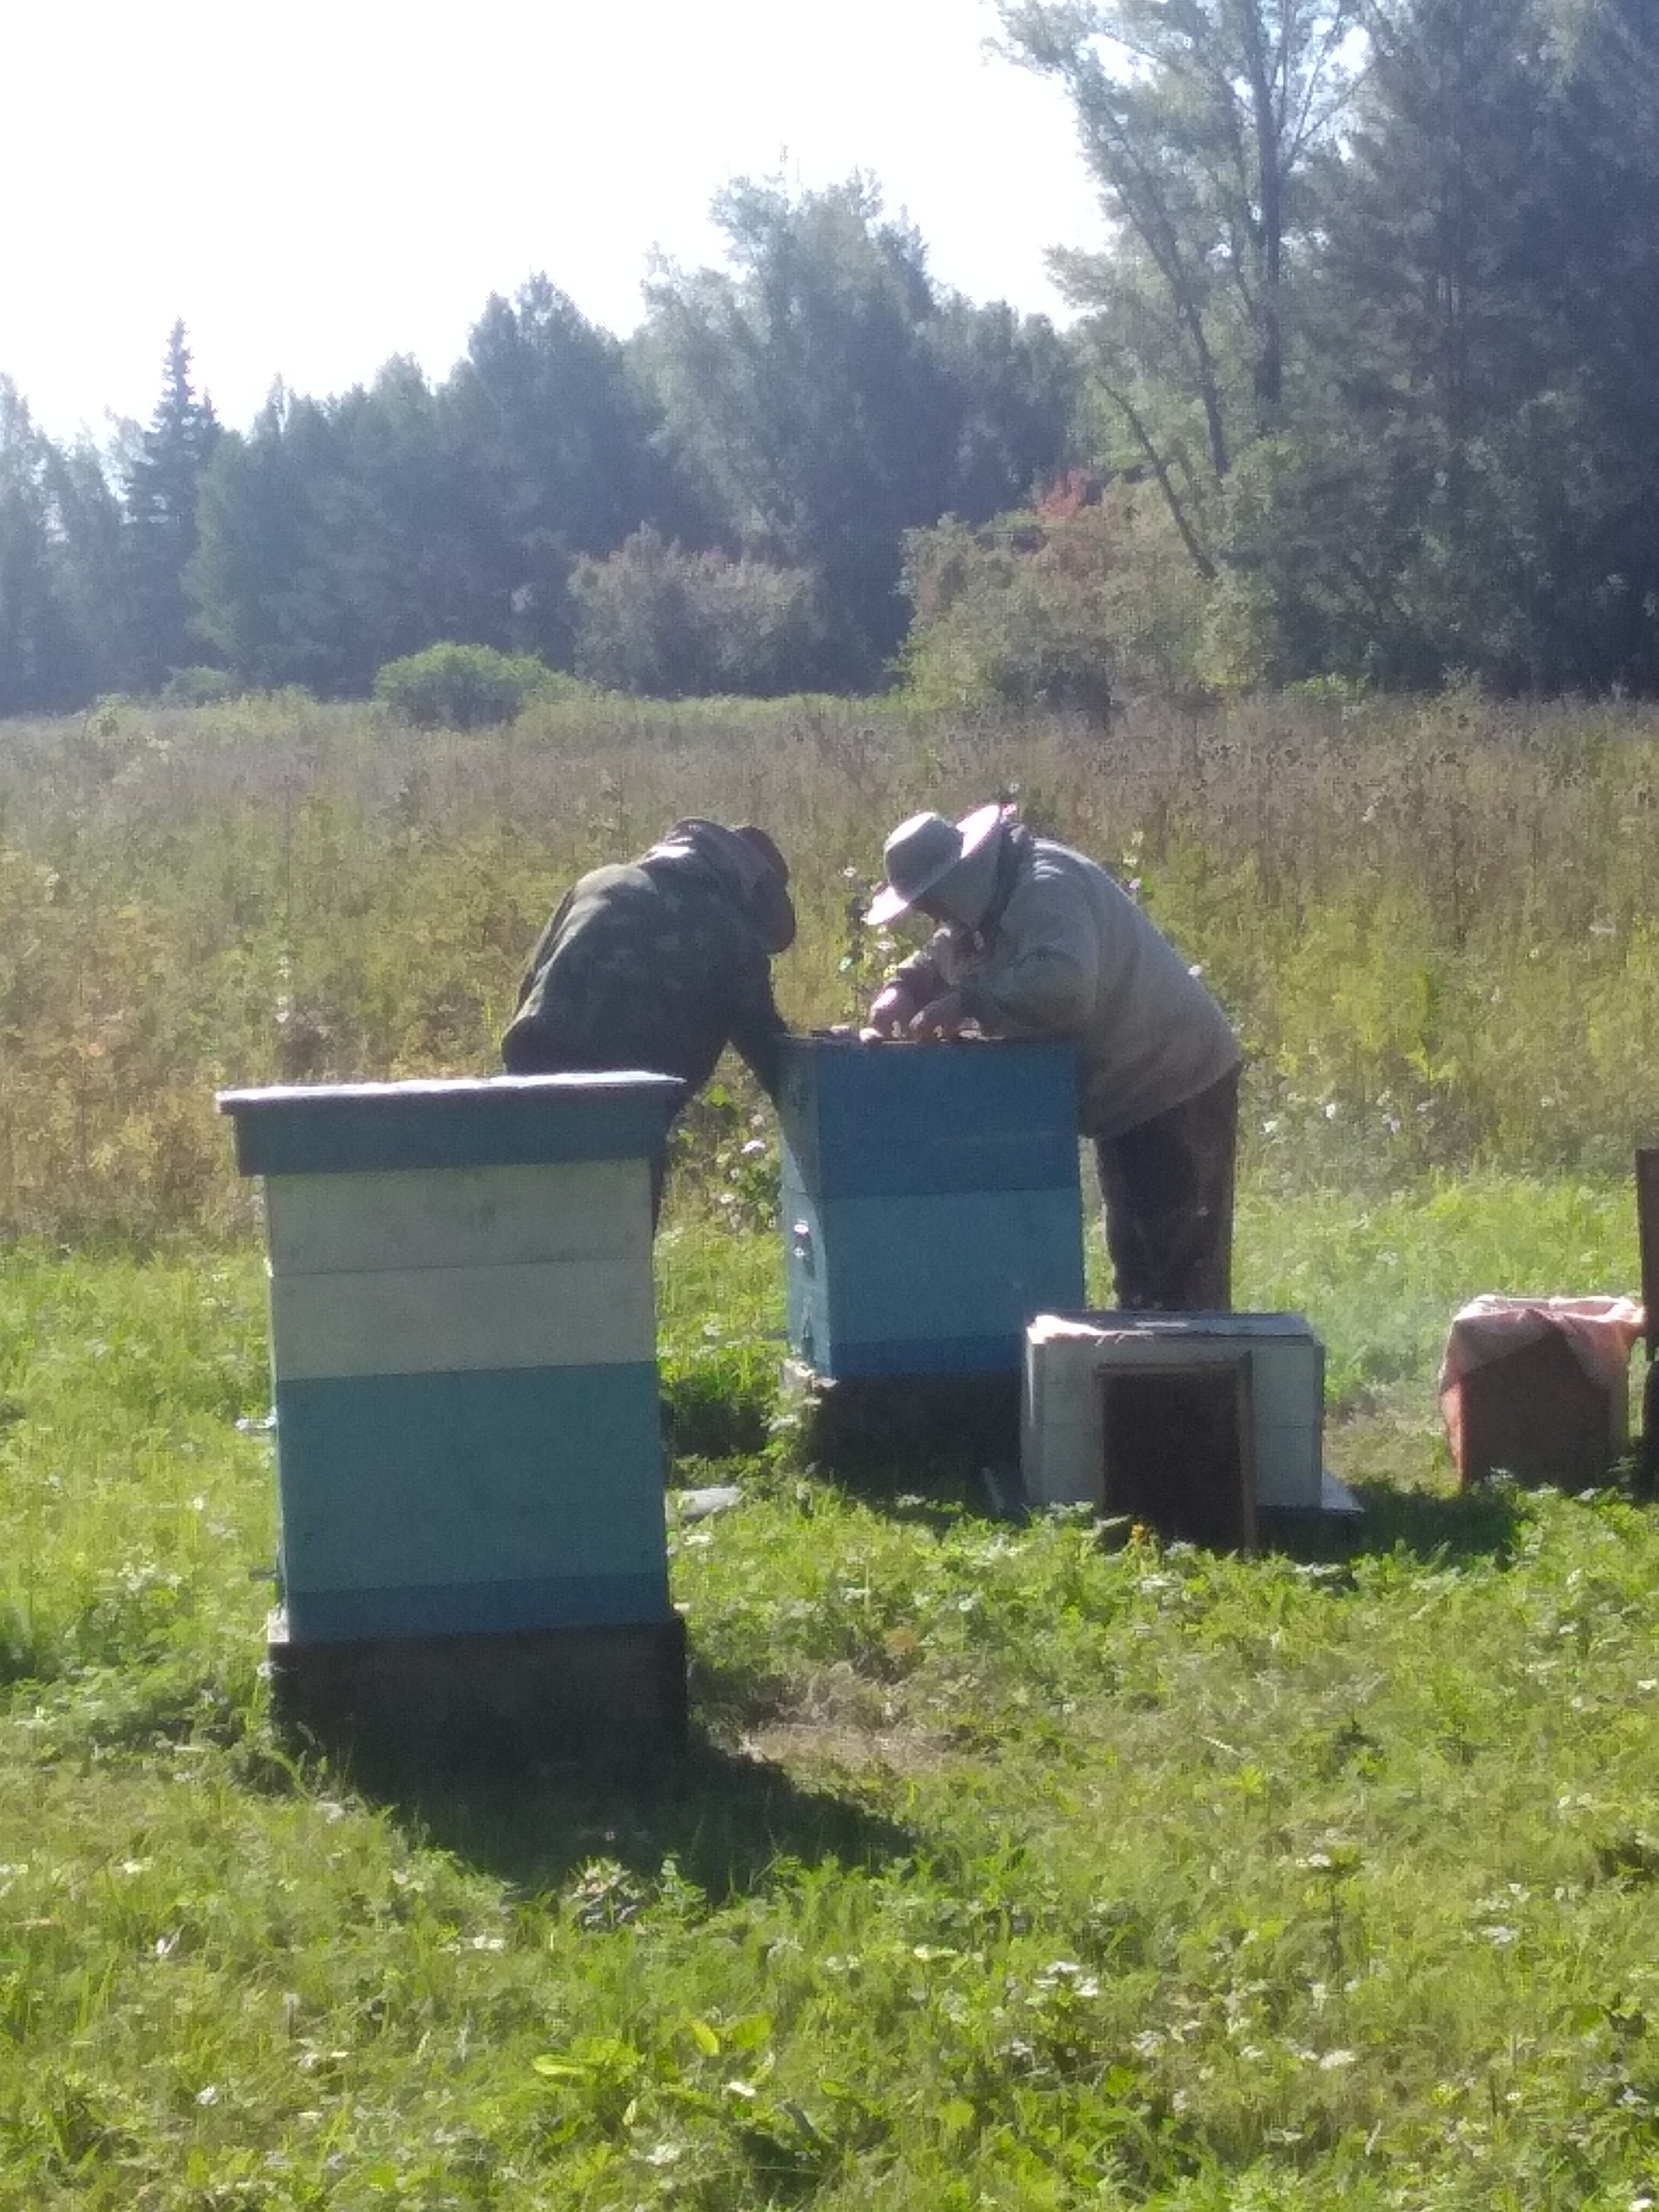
1431 921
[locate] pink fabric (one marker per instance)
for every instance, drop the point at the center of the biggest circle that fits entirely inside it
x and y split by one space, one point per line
1599 1332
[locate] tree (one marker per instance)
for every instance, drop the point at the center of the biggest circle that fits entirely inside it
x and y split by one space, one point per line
1015 385
1199 119
90 557
563 457
1599 234
255 579
654 619
161 494
1068 605
337 536
1490 267
34 642
799 395
824 397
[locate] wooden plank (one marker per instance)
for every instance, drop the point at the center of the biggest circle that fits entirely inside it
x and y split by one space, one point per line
437 1320
876 1121
498 1703
566 1209
433 1482
968 1267
1289 1458
1062 1441
1647 1223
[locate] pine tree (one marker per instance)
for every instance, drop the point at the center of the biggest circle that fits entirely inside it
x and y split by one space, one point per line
161 495
1491 266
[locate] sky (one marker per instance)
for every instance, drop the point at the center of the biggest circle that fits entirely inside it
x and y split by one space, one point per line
318 186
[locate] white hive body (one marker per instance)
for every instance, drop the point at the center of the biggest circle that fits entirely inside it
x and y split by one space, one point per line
1063 1441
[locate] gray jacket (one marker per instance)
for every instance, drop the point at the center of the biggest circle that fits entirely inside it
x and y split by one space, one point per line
1064 951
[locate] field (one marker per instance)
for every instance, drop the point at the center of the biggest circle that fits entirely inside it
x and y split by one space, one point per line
1012 1866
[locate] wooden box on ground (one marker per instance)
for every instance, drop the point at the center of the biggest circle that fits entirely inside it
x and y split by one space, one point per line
464 1363
1539 1388
1190 1422
931 1203
1537 1415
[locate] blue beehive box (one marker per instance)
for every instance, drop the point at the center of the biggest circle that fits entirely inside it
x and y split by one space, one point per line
463 1353
930 1202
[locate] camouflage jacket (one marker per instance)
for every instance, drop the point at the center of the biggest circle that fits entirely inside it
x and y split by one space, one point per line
653 963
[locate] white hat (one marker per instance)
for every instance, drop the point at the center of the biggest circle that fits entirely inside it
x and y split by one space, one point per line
924 851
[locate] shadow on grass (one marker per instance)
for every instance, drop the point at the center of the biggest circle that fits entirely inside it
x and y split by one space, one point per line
949 1443
936 1452
725 1819
1475 1525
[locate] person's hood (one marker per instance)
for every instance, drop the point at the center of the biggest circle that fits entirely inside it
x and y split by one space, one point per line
747 860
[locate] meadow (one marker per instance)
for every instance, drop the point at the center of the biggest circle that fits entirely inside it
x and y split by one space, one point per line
1012 1864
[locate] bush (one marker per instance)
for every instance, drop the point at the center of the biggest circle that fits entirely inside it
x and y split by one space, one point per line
461 687
654 619
1062 607
199 686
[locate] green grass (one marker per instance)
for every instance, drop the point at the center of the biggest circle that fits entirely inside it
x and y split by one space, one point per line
1007 1869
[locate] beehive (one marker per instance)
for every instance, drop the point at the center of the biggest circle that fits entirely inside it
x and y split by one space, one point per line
931 1203
1063 1450
462 1354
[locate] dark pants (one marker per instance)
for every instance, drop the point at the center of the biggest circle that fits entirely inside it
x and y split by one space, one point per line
1167 1189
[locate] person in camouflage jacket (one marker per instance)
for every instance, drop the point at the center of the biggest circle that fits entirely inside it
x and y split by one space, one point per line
661 963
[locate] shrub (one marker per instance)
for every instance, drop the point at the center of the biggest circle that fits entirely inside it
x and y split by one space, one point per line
459 687
1065 607
654 619
199 686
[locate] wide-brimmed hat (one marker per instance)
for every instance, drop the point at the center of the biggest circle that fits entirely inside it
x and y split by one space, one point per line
764 844
924 852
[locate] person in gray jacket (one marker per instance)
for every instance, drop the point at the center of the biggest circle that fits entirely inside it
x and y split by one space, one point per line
1035 941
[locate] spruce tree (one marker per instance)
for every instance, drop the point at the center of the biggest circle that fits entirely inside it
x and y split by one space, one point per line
161 494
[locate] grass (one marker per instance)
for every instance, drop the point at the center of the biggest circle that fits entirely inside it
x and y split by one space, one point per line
1430 920
1006 1869
1011 1865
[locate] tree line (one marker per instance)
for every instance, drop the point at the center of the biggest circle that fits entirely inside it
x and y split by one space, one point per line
1364 387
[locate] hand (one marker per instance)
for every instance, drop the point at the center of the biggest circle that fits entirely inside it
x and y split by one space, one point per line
890 1011
943 1019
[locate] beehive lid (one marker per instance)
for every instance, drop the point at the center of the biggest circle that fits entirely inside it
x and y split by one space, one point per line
504 1120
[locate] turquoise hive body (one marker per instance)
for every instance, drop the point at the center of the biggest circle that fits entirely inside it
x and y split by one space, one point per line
462 1352
931 1203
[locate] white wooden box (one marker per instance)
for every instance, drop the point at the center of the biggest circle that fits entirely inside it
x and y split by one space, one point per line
1062 1441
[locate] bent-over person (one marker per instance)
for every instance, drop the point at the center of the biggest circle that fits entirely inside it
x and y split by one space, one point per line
1036 941
662 962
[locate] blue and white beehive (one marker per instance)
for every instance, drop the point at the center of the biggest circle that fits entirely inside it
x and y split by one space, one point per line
931 1203
463 1353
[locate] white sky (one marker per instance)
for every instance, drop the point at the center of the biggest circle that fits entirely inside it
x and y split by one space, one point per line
317 184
